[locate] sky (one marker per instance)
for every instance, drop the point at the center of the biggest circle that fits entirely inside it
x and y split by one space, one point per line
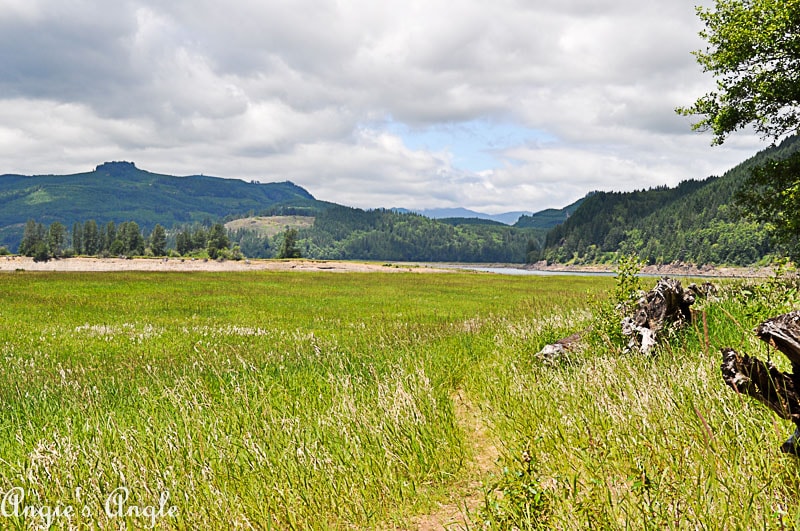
508 105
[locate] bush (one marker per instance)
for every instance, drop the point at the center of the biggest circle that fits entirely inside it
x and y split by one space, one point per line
516 500
607 325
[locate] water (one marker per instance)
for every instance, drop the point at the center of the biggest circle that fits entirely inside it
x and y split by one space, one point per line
520 271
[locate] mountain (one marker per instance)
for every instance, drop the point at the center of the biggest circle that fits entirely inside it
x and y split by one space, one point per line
506 218
349 233
119 191
549 218
696 222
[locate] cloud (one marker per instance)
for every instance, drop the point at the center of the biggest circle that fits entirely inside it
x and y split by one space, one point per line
508 105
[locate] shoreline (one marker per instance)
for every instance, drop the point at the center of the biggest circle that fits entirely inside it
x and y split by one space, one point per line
683 270
89 264
679 270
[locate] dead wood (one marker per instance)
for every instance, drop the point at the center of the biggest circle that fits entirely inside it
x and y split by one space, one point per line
783 333
560 348
763 381
666 304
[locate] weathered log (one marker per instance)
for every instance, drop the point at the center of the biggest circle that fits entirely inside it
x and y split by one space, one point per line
666 304
560 348
783 333
763 381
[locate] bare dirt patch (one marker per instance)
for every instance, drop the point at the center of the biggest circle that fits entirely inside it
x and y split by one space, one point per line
12 263
271 225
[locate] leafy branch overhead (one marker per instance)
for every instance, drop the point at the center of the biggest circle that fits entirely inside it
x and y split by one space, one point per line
754 54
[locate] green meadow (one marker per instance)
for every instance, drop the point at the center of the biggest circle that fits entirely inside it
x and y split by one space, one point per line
289 400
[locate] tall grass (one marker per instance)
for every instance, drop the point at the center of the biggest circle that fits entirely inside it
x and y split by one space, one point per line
252 400
325 401
621 441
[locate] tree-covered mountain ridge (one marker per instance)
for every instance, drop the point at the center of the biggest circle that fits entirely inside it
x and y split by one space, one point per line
119 192
697 222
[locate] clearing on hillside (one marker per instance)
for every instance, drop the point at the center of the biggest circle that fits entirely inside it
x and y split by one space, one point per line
271 225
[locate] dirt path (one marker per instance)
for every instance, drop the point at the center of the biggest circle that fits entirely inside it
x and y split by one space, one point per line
467 496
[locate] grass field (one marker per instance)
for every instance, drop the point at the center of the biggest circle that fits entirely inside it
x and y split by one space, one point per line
329 401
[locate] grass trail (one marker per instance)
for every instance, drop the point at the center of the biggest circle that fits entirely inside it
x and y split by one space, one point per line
466 495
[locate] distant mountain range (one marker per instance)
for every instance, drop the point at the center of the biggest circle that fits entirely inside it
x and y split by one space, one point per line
119 191
544 219
506 218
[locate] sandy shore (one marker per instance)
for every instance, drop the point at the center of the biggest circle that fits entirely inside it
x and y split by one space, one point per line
678 269
13 263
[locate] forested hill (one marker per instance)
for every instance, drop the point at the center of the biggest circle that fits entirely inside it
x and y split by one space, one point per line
694 222
549 218
119 191
349 233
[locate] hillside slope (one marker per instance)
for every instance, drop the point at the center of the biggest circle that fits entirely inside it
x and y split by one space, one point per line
694 222
119 191
345 233
549 218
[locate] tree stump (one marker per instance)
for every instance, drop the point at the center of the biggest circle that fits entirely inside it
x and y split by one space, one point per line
763 381
666 304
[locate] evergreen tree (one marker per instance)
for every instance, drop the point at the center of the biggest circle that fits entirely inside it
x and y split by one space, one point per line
217 240
199 238
289 247
183 242
158 241
92 241
110 235
129 240
56 238
77 238
30 237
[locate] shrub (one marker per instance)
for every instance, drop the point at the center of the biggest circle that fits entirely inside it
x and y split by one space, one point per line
609 313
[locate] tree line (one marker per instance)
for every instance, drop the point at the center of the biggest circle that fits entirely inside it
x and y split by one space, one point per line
43 242
753 52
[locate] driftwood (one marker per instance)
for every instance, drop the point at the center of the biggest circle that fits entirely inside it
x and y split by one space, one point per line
783 333
560 348
666 304
763 381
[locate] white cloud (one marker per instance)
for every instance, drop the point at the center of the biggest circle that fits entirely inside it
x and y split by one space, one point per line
307 90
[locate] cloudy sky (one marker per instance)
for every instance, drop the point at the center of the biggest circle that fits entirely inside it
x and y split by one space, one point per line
495 106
